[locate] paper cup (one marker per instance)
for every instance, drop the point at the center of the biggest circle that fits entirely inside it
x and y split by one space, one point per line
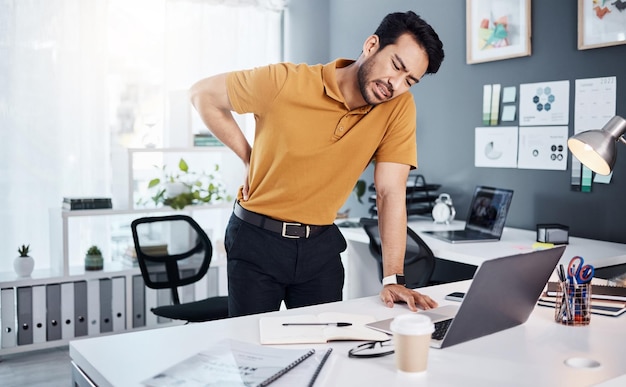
411 338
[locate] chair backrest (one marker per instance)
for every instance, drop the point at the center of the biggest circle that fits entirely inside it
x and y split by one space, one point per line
172 251
419 260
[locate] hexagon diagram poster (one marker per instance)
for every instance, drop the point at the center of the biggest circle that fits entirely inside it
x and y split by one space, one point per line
544 103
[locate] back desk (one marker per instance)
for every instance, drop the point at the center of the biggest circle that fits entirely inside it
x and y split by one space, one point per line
362 274
532 354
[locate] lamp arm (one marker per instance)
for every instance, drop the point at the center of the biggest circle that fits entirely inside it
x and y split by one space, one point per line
622 139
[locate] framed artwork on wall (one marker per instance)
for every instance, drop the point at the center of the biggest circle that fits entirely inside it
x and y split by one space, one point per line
601 23
497 29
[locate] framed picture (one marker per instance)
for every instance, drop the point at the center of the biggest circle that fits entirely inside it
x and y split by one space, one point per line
497 29
601 23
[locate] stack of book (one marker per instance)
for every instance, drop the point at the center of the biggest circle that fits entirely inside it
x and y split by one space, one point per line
86 203
152 248
607 300
206 139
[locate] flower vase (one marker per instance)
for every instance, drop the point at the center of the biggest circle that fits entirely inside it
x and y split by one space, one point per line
23 266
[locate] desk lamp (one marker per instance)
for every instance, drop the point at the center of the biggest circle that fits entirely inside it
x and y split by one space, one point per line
596 148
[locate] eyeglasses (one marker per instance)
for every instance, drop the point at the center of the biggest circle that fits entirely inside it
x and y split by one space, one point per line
372 349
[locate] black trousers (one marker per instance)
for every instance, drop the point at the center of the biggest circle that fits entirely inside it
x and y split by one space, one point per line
265 268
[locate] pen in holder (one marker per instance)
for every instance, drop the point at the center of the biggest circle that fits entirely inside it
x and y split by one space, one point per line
573 302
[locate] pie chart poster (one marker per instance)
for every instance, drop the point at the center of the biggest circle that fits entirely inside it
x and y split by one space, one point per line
496 147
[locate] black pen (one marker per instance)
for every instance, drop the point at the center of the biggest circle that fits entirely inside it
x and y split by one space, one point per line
333 324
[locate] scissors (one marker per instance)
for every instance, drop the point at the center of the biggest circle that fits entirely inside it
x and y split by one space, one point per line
578 271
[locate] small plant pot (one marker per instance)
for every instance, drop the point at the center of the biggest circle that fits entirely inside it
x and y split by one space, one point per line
24 266
93 262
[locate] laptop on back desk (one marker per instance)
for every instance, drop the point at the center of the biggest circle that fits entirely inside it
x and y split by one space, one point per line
502 295
486 218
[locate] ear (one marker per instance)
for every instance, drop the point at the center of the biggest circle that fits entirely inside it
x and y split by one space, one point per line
370 45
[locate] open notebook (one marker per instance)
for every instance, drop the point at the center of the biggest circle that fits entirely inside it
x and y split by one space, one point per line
502 295
485 220
273 331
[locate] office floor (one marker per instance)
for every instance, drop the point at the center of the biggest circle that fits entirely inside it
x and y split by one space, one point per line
49 367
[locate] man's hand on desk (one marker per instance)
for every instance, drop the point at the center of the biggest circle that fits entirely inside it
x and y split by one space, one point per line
398 293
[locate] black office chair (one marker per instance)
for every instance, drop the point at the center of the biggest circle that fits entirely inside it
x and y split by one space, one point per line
419 260
174 251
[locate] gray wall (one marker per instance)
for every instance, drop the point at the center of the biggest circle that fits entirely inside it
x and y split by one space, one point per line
307 32
449 107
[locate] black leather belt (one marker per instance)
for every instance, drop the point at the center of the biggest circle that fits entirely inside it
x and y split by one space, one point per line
285 229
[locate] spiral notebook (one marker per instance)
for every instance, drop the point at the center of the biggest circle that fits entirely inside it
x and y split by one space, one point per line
231 363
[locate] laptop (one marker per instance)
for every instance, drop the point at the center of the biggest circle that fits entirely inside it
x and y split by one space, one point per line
485 221
502 295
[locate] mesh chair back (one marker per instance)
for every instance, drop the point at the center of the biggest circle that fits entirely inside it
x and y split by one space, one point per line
419 260
172 251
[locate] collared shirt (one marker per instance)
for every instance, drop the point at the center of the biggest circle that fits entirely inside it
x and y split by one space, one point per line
310 148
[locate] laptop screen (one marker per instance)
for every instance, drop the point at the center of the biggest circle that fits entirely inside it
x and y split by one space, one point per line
489 209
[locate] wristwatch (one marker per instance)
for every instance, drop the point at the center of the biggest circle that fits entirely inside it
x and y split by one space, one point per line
394 279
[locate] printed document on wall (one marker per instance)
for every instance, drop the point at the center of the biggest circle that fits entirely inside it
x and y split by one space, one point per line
595 103
495 147
544 103
543 147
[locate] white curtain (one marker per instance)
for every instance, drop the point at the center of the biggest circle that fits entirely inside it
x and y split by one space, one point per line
80 79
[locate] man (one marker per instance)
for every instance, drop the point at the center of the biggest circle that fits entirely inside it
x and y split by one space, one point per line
317 129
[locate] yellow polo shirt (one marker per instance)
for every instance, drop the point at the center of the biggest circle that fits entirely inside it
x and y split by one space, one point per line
310 148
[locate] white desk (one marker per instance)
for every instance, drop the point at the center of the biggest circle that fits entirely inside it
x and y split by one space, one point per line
532 354
362 273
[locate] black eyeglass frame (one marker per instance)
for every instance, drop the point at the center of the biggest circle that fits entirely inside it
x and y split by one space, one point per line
354 352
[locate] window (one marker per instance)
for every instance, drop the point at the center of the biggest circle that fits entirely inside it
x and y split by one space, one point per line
83 79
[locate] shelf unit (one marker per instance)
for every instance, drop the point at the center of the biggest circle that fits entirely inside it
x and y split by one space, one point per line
61 263
49 318
118 289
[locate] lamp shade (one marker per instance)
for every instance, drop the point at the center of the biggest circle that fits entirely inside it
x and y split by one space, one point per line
596 148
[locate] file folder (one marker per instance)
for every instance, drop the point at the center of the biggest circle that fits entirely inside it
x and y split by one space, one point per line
106 318
164 297
24 315
187 292
7 318
201 288
93 307
139 302
53 315
213 277
39 313
81 322
151 302
67 310
118 303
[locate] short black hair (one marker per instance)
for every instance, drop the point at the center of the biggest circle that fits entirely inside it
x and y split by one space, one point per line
398 23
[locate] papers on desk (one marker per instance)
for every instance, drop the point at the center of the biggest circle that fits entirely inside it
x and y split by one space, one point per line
231 363
608 300
272 330
600 289
604 307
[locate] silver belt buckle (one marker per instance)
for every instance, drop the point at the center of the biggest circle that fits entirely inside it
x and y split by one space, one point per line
286 224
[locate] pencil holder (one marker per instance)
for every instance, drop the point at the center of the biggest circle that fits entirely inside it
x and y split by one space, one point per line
573 303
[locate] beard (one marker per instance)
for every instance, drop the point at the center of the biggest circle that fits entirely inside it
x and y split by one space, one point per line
363 78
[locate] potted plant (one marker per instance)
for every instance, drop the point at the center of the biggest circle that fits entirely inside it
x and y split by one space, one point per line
184 187
359 190
93 259
24 263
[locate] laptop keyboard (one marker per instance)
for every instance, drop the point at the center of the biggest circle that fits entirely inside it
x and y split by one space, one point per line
441 328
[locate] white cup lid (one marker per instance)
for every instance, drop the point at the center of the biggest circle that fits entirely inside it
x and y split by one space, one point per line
412 324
